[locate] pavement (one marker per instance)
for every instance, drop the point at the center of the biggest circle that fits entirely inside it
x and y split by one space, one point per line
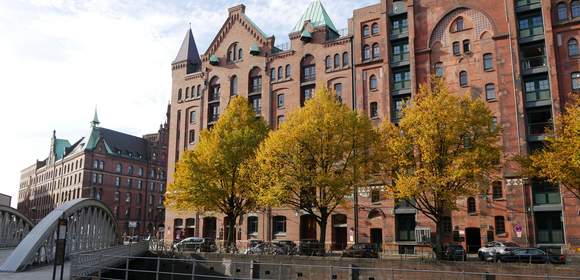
33 273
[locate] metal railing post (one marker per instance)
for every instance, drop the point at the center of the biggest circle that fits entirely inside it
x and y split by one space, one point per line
127 269
157 271
280 271
192 268
392 274
99 266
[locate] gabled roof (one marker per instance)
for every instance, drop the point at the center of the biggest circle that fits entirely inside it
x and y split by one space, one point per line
188 51
316 14
60 146
117 143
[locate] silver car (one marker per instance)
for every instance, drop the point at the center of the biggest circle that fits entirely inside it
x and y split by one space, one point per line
494 248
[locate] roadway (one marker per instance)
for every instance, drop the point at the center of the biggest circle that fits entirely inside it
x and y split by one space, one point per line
42 272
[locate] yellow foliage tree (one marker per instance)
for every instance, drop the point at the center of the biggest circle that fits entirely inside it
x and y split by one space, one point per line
445 147
559 162
215 174
315 158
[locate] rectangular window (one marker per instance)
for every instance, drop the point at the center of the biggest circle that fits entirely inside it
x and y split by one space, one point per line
545 193
256 85
309 73
191 136
252 225
399 26
402 80
405 227
213 112
280 120
307 93
537 90
490 92
456 48
497 190
549 227
539 119
466 46
499 225
256 103
338 91
400 52
576 81
375 196
117 181
374 110
279 225
193 116
399 103
280 100
531 26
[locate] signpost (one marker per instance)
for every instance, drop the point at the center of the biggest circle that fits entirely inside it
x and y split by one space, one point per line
59 253
132 226
518 229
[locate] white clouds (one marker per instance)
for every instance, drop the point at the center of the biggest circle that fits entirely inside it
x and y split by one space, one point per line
61 58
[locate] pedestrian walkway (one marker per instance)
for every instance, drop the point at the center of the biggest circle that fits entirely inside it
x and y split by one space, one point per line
43 272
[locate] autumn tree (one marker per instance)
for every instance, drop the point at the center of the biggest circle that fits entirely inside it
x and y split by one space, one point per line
215 174
315 158
559 161
445 147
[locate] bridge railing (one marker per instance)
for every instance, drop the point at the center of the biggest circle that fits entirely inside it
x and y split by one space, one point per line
89 263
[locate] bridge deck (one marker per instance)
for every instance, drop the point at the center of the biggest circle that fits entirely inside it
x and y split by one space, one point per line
43 272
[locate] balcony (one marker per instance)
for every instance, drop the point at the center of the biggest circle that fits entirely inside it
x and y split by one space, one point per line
533 34
534 65
399 59
538 98
527 5
399 33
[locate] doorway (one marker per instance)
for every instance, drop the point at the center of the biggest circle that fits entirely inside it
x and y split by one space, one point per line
308 227
472 240
339 234
377 238
209 227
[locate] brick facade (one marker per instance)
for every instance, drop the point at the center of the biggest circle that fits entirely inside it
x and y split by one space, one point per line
511 54
125 172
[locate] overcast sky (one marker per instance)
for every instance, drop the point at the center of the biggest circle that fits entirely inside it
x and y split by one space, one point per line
59 59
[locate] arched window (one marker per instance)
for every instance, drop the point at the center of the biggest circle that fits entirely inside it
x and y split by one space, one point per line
328 62
575 8
119 168
288 71
466 46
456 48
365 31
373 82
345 59
179 94
487 61
255 85
280 73
573 48
308 68
375 29
187 93
376 50
193 92
240 53
562 12
490 92
458 25
471 209
234 52
234 85
214 89
198 91
366 52
463 78
336 61
439 69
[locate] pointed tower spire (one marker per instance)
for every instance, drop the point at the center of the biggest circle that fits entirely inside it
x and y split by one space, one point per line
188 53
317 15
95 121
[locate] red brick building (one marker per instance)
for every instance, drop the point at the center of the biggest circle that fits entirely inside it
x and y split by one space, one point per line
126 172
519 56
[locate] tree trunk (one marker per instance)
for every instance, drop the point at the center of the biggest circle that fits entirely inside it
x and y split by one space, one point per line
231 231
323 222
438 246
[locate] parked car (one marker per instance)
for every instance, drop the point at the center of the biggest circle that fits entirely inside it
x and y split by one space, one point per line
495 248
361 250
196 244
311 247
454 252
531 255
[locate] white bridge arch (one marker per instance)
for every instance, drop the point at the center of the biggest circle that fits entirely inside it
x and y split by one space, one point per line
13 226
90 226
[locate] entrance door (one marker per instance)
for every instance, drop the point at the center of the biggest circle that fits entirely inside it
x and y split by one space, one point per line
473 239
209 227
307 227
339 226
377 237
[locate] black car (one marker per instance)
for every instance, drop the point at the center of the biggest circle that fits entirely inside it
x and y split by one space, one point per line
454 252
531 255
311 247
361 250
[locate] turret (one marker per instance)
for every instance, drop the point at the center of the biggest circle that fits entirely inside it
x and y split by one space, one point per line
188 56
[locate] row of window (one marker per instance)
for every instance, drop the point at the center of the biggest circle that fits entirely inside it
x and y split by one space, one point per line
374 53
373 29
130 170
562 10
335 62
499 222
65 169
128 195
98 179
282 73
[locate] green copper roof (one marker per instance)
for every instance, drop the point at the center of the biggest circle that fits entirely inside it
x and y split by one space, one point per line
305 34
317 15
60 146
254 49
213 59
